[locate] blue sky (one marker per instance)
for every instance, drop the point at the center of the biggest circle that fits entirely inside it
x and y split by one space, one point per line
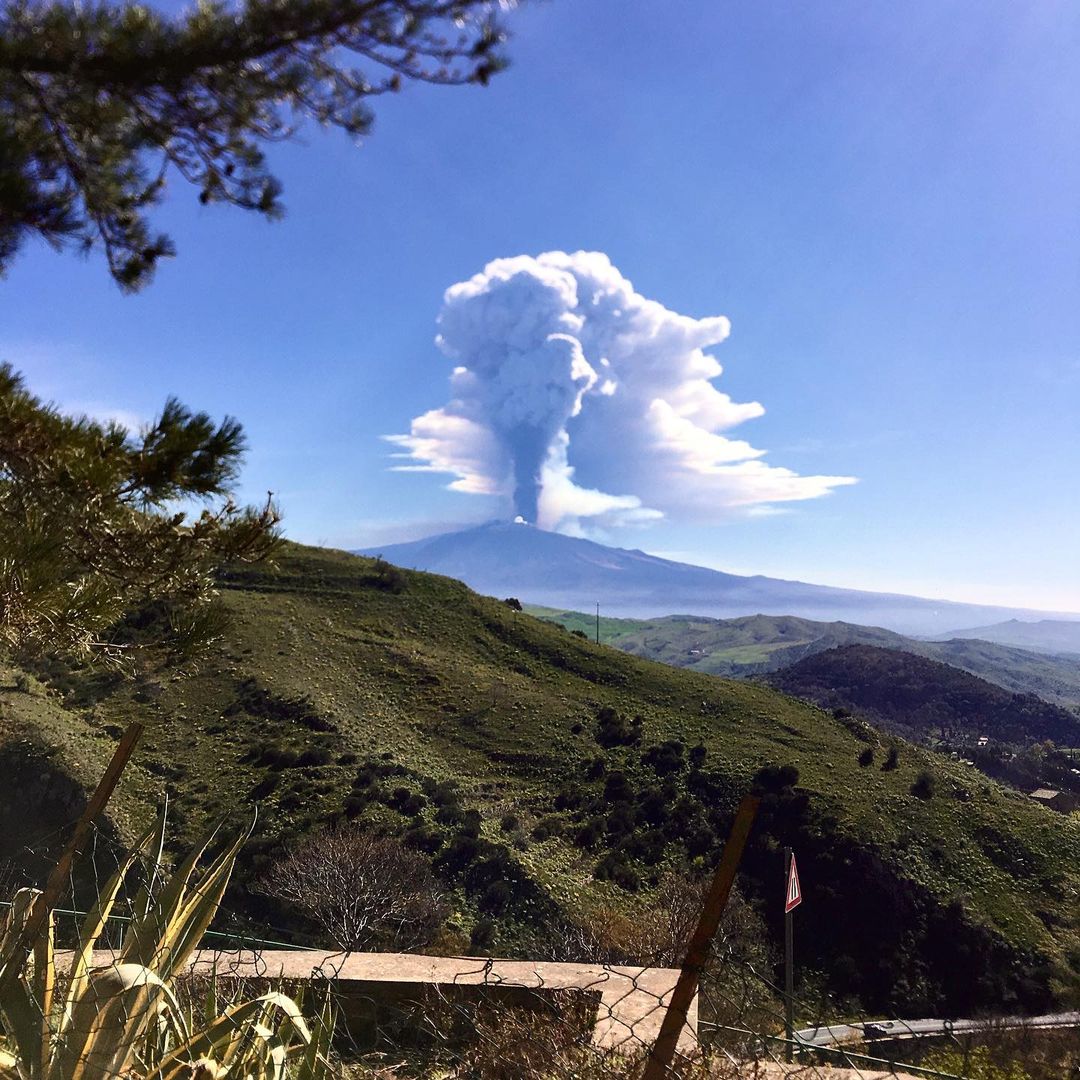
883 199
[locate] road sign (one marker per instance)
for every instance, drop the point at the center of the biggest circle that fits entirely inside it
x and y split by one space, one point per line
794 890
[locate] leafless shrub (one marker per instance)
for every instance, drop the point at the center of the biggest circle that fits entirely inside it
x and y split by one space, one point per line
364 891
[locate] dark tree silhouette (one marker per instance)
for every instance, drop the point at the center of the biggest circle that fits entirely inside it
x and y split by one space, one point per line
100 103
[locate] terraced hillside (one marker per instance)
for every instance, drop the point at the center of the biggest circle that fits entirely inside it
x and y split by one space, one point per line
549 778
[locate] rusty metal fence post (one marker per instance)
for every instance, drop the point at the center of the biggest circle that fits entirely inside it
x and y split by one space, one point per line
663 1051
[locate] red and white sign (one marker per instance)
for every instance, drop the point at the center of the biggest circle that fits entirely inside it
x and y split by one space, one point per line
794 889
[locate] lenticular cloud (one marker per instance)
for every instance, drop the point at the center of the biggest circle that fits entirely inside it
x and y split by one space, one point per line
583 403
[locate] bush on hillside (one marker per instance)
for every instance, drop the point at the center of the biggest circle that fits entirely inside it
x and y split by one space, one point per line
924 785
360 889
387 577
613 729
773 779
665 758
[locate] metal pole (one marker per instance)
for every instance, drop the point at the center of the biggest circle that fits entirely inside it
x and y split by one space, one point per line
597 622
789 973
663 1052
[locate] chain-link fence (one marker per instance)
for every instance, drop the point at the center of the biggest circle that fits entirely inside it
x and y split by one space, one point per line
131 980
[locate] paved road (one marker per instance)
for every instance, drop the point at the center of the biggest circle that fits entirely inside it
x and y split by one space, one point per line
837 1034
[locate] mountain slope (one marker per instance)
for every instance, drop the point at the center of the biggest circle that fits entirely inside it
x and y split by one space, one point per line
1044 635
757 644
565 572
345 687
923 697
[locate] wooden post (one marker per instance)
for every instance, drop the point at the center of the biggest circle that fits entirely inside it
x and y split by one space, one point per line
663 1051
58 879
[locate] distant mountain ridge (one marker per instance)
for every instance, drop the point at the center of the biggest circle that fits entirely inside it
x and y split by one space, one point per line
504 559
1045 635
759 644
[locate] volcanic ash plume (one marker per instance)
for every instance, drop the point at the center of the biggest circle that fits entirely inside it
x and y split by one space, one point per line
569 385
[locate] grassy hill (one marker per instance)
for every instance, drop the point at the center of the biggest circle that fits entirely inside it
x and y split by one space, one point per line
757 644
551 779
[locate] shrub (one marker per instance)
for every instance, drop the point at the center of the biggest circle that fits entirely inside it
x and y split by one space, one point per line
513 603
470 825
482 937
387 576
774 779
449 814
361 889
316 755
496 897
924 785
866 758
278 757
590 833
548 827
614 868
569 798
423 838
621 820
580 634
509 822
666 758
613 729
892 759
653 806
461 852
264 787
442 793
595 769
618 788
976 1064
365 777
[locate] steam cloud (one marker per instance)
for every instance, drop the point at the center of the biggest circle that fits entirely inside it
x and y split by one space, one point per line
570 386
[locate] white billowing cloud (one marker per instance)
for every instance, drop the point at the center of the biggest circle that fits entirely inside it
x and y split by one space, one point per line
588 405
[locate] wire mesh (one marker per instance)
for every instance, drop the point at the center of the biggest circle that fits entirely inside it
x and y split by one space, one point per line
404 1015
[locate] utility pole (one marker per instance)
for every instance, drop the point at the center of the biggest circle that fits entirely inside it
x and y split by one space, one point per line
597 622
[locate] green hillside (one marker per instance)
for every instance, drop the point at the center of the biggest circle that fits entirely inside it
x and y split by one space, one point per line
758 644
345 687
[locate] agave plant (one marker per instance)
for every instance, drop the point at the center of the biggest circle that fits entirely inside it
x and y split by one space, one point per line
120 1014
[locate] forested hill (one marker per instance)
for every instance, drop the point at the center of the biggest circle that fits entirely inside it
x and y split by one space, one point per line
552 781
923 697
